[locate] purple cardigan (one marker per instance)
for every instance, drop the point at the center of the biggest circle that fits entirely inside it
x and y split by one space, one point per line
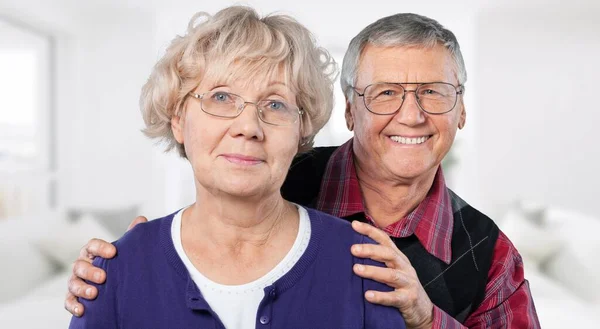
148 286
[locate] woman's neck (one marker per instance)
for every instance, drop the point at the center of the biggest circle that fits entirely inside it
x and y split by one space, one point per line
234 221
235 240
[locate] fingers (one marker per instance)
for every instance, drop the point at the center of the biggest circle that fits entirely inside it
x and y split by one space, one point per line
391 256
374 233
72 305
82 270
137 220
78 288
412 301
394 278
393 298
95 248
378 253
408 295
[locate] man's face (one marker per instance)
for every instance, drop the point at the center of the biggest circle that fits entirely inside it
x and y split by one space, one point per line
380 141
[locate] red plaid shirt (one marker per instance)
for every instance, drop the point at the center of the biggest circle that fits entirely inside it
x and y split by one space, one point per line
507 302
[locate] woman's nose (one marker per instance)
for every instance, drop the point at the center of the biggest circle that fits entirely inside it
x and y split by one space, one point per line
248 124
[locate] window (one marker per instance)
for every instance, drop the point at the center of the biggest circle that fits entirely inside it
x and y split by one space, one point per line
26 164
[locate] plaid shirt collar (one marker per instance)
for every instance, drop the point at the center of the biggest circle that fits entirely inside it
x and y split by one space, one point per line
431 222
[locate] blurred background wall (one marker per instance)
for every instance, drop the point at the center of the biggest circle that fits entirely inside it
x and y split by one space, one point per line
529 95
70 141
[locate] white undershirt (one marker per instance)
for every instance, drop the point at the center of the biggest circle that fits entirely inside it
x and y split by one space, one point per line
237 306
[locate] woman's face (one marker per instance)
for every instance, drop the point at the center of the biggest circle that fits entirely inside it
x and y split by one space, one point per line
241 156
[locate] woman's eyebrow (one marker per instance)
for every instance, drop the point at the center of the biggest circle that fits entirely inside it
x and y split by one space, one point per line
279 86
278 83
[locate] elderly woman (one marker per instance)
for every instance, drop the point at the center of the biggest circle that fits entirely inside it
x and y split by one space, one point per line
239 96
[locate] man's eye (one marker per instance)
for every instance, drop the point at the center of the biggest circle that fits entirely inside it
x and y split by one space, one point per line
388 93
430 92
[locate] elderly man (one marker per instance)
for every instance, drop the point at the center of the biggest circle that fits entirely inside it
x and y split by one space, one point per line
403 77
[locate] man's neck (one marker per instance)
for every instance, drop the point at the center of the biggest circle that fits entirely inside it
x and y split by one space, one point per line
389 200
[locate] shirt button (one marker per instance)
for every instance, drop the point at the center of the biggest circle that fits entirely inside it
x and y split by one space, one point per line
264 319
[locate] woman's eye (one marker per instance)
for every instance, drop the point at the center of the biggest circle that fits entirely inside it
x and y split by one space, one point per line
276 105
221 97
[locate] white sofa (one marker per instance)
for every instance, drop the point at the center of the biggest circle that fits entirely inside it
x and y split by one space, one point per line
36 253
560 249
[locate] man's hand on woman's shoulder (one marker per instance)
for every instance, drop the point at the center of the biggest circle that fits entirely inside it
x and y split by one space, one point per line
83 269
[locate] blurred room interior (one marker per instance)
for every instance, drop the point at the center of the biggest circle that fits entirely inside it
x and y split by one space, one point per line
74 164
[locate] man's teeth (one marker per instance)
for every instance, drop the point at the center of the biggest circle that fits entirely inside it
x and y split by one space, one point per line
407 140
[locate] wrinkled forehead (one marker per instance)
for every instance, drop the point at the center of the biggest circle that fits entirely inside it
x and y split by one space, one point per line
256 73
406 64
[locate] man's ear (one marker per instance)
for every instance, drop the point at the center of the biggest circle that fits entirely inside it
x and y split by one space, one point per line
177 127
463 118
348 116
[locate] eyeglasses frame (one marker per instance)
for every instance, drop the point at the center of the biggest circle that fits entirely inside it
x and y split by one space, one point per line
242 107
459 91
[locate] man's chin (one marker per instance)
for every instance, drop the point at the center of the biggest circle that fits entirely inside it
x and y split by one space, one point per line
406 169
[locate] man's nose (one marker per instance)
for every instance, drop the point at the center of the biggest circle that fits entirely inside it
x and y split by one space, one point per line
410 112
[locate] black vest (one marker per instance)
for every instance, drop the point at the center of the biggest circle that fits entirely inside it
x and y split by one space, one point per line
457 288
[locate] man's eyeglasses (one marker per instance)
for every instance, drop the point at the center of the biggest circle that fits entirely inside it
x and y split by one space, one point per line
432 97
227 105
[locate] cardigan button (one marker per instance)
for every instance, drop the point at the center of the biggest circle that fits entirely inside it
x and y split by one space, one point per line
264 319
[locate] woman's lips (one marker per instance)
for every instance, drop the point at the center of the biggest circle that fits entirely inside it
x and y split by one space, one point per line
242 159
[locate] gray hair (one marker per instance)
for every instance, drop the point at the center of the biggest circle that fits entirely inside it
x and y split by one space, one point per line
237 40
399 30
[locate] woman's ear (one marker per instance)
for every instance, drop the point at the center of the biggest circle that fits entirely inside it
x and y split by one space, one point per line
306 127
177 127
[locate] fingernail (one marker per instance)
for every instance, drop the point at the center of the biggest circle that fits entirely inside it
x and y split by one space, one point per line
88 292
357 248
76 310
359 268
370 294
97 276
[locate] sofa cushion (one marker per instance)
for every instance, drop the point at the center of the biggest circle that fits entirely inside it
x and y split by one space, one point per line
531 237
23 265
63 241
41 308
577 264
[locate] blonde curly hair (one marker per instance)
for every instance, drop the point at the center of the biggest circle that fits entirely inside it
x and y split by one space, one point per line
236 38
